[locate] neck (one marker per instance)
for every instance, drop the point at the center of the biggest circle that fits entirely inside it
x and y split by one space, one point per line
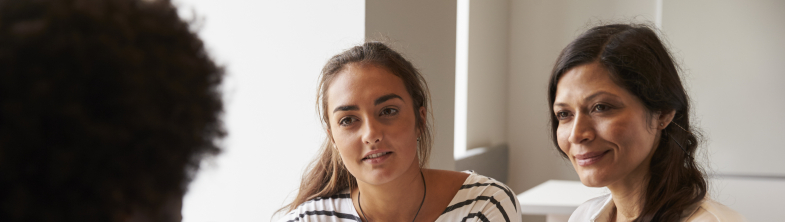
628 195
628 192
398 200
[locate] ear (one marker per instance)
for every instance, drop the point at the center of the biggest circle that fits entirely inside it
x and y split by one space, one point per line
422 114
421 111
330 136
665 118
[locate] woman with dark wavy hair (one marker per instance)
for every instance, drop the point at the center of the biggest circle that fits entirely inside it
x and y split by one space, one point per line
373 164
621 116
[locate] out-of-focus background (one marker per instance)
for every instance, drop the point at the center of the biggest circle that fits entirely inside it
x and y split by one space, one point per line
487 64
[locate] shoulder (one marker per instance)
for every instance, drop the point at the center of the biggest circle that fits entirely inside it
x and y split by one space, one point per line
447 176
591 208
484 199
710 210
337 207
479 185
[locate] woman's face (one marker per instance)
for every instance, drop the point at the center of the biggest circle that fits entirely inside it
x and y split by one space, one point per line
372 123
605 131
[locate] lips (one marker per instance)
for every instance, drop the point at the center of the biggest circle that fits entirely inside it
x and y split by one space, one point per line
590 158
376 155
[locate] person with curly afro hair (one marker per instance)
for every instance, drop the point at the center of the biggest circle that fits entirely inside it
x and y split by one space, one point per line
107 108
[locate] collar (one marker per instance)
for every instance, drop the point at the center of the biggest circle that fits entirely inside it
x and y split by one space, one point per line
604 213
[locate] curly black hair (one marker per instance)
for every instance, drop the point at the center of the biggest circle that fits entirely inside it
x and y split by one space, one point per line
107 108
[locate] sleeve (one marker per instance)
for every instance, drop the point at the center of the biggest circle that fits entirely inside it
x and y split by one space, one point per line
291 217
336 208
502 205
483 199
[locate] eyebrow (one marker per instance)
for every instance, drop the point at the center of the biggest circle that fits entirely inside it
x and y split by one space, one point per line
384 98
591 97
378 101
346 108
599 94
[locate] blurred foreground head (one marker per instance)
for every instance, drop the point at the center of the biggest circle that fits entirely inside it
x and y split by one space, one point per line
107 108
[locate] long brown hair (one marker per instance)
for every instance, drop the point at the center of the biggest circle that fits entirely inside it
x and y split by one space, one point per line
327 175
638 61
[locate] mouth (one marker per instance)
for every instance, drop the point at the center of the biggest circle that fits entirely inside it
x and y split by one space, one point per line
376 156
590 158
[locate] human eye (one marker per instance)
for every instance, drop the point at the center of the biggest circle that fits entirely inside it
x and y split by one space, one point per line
563 115
389 112
600 108
346 121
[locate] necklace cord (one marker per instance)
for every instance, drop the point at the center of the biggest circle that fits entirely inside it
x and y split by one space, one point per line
418 209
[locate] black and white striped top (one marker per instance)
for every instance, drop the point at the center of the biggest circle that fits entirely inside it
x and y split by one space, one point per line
480 198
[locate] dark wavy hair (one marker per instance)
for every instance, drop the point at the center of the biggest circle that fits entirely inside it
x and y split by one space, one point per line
107 108
639 62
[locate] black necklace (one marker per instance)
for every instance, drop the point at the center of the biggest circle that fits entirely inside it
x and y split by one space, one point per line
418 209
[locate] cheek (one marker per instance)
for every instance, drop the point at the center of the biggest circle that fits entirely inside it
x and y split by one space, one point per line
347 143
631 136
403 138
404 130
562 136
618 131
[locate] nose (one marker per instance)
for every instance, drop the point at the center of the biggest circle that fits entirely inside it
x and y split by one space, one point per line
582 130
373 133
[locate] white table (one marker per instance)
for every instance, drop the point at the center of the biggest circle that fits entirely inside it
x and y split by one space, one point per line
557 199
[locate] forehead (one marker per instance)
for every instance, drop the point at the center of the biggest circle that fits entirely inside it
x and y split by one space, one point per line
585 80
363 83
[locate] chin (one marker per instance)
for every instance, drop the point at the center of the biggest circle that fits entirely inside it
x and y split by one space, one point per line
591 183
381 176
384 174
591 179
378 178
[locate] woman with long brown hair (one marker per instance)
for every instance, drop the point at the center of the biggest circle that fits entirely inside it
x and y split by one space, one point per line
622 117
372 166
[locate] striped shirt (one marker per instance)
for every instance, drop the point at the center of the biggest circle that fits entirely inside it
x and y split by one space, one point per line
480 198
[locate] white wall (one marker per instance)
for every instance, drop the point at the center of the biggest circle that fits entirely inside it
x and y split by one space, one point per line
487 73
756 199
733 53
273 51
424 32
